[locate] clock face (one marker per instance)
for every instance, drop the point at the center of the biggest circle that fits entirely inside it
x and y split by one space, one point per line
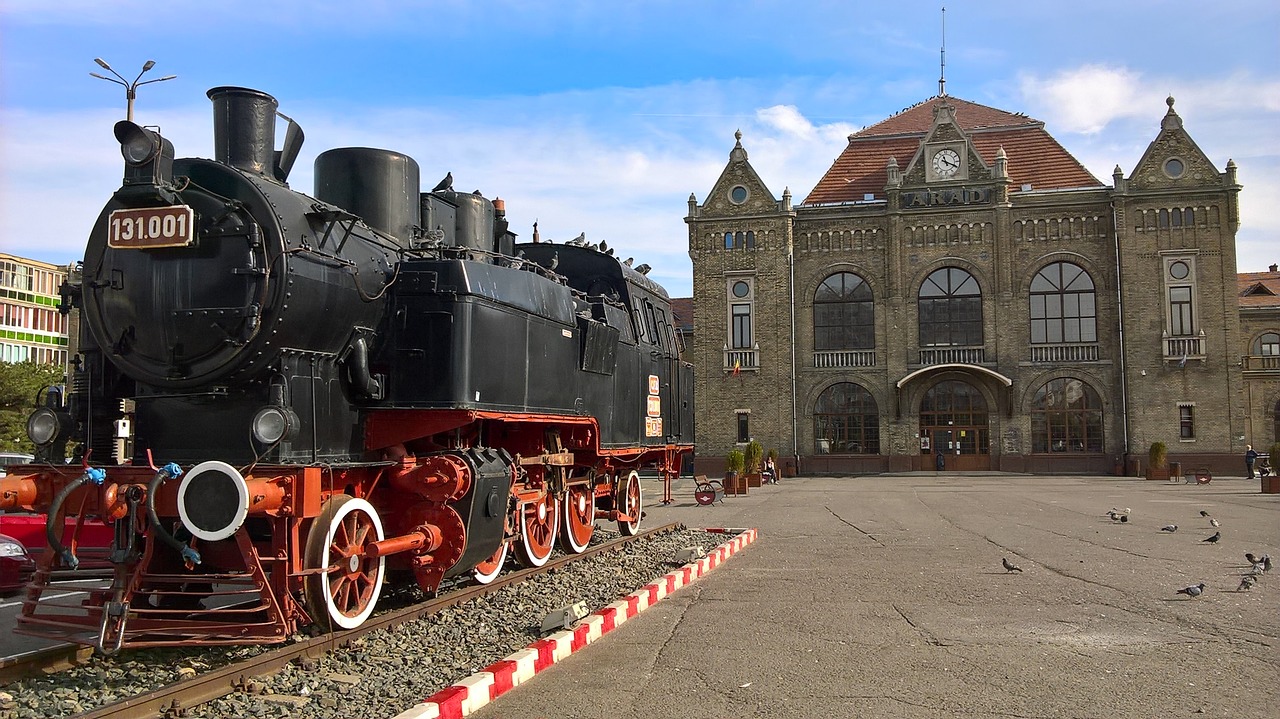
946 163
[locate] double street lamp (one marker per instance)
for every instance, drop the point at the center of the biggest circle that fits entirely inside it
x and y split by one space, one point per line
130 88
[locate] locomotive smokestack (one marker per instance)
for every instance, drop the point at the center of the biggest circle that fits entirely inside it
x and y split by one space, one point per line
244 128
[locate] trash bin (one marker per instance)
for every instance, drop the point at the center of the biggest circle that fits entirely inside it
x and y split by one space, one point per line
1175 470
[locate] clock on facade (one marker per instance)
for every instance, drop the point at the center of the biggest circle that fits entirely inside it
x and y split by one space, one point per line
946 163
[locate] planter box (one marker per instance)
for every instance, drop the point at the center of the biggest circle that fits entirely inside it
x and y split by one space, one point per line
1158 473
735 484
754 479
1271 485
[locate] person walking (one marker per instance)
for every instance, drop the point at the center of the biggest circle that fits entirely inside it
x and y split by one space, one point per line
1250 456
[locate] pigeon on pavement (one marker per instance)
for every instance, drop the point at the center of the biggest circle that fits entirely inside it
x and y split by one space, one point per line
1009 566
1246 583
1169 528
1266 562
1214 539
1214 522
1203 513
1194 590
1248 557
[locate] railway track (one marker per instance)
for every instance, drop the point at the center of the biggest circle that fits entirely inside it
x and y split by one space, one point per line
176 699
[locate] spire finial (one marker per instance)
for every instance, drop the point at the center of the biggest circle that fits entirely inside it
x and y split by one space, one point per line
942 78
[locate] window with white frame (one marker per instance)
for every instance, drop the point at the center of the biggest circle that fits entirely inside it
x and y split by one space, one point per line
1186 421
741 292
1180 292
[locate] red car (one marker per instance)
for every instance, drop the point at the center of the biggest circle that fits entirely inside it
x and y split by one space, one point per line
16 565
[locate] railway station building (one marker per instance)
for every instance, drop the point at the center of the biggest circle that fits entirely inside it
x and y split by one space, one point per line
958 288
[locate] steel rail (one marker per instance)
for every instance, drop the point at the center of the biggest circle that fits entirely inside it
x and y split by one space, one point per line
173 699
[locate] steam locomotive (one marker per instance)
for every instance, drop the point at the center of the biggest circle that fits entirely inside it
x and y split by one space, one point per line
326 395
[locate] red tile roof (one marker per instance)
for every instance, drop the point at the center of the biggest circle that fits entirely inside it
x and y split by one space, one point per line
1259 289
682 312
1034 157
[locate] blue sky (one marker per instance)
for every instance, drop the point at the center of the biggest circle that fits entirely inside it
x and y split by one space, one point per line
604 116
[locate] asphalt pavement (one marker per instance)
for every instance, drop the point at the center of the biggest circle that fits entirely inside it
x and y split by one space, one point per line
886 596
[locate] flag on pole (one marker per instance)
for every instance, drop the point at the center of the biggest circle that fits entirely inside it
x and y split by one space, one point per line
1183 363
737 367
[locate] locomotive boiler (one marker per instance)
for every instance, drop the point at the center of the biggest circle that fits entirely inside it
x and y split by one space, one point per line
326 394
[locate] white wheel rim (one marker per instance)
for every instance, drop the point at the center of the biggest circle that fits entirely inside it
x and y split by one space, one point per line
335 615
633 479
486 578
567 532
529 556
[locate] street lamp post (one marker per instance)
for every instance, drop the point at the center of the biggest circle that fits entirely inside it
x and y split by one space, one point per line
130 88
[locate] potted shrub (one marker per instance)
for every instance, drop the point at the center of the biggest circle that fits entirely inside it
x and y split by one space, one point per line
733 465
1157 458
1270 483
751 459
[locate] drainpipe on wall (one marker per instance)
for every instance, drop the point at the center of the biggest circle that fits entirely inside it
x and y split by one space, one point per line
1124 372
791 292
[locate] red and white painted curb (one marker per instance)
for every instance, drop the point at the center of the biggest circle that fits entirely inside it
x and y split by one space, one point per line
477 690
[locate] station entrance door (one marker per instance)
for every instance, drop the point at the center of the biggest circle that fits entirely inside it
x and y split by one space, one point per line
953 416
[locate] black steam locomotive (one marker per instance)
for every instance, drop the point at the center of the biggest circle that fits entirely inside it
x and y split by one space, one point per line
325 393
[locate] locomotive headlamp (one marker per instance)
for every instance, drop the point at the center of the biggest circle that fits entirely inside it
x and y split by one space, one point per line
43 426
137 144
273 423
148 157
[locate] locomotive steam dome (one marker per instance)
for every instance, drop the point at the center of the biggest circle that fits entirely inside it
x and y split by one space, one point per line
207 279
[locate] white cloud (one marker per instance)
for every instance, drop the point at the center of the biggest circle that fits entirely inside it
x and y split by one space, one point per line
1086 99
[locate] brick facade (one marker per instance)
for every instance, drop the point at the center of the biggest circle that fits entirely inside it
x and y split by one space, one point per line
951 189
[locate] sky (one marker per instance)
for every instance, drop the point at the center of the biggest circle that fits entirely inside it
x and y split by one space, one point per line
603 116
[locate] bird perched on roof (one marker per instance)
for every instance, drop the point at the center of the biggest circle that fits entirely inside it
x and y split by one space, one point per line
643 269
1009 566
580 240
1214 539
1246 583
1194 590
1169 528
628 261
1213 522
445 184
555 261
1203 513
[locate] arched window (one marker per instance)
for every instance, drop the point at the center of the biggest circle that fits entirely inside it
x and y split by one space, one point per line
1066 416
950 309
846 421
1267 345
1062 305
843 314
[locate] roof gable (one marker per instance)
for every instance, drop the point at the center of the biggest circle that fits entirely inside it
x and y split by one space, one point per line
1173 159
738 173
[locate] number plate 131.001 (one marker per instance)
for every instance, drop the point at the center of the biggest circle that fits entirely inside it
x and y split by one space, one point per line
152 227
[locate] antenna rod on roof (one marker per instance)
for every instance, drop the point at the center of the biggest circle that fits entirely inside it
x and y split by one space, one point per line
942 78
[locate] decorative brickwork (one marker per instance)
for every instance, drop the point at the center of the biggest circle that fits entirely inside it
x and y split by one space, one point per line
1155 331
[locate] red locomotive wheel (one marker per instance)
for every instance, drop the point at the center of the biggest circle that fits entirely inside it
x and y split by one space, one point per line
539 522
629 502
343 595
488 570
579 521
